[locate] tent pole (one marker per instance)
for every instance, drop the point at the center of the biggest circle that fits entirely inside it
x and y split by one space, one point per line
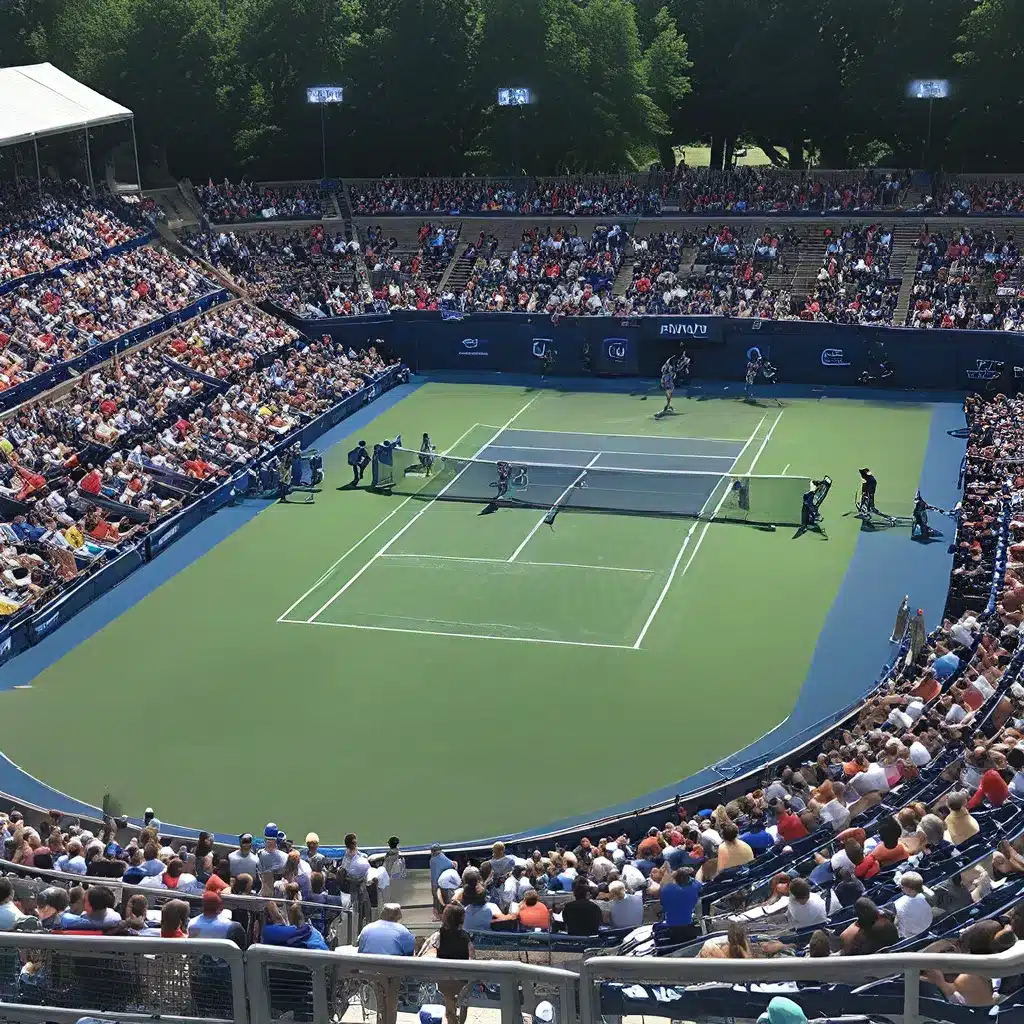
88 164
39 173
135 146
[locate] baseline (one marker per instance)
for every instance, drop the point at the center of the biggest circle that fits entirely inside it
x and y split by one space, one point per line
646 437
463 636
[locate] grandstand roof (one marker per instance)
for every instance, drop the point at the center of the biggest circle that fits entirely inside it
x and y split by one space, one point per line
39 99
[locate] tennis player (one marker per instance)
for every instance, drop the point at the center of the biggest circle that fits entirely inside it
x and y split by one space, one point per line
504 474
683 370
867 491
426 454
668 383
753 369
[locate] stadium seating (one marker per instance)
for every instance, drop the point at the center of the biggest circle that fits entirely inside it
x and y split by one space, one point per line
305 272
226 203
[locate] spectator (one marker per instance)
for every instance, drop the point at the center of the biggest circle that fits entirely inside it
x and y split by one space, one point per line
805 907
625 910
454 944
870 932
244 861
913 911
582 916
10 915
532 913
215 922
387 936
679 899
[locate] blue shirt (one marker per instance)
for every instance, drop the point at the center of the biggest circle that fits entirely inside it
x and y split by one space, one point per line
679 902
758 841
945 666
386 938
438 863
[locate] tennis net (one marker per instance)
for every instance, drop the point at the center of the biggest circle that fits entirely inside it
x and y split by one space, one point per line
751 498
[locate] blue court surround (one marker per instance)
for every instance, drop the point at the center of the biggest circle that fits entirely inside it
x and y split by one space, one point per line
885 566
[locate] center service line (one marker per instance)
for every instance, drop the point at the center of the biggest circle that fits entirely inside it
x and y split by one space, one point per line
686 541
540 522
387 546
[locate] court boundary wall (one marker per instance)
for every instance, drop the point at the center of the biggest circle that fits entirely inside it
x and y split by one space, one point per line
809 353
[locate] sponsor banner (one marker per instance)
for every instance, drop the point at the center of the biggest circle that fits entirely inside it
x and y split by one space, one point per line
695 330
834 357
617 355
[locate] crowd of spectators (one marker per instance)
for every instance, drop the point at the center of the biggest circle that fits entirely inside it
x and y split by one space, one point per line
52 320
226 203
701 190
409 280
132 442
853 285
967 279
40 231
558 271
995 196
571 197
726 272
307 272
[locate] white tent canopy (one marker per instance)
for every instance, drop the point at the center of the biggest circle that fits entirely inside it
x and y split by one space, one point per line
40 99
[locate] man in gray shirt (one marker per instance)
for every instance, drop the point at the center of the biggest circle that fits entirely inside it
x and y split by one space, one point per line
272 858
243 861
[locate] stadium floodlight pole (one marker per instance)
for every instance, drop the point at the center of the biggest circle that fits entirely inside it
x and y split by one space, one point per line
321 95
930 89
515 96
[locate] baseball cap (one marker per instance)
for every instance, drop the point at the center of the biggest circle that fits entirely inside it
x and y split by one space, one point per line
312 837
270 832
245 837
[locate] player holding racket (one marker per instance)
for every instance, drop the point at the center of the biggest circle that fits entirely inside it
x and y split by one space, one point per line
668 383
504 475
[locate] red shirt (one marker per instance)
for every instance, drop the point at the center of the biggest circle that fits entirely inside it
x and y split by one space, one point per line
91 482
993 787
791 827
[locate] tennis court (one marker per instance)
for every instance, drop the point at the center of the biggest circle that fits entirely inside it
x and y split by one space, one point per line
405 649
451 571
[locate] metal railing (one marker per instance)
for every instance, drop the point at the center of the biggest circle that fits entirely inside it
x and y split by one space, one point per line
132 980
658 985
65 977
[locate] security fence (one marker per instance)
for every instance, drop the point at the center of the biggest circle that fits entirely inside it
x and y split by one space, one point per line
64 978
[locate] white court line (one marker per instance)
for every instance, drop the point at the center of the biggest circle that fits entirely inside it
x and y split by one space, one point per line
464 636
504 561
686 541
786 470
707 526
366 536
646 437
598 451
385 548
540 522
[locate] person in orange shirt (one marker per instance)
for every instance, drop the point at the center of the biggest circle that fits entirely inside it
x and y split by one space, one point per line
533 913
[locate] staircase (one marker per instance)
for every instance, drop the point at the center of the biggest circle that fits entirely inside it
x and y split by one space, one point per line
178 214
903 264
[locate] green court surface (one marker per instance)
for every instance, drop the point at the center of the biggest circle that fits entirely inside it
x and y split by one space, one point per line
388 664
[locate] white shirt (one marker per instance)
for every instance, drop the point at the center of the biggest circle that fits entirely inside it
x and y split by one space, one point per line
356 865
915 709
813 911
633 878
913 915
919 754
900 719
873 780
955 714
836 814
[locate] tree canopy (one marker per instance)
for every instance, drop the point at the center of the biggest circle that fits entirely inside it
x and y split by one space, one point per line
218 86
